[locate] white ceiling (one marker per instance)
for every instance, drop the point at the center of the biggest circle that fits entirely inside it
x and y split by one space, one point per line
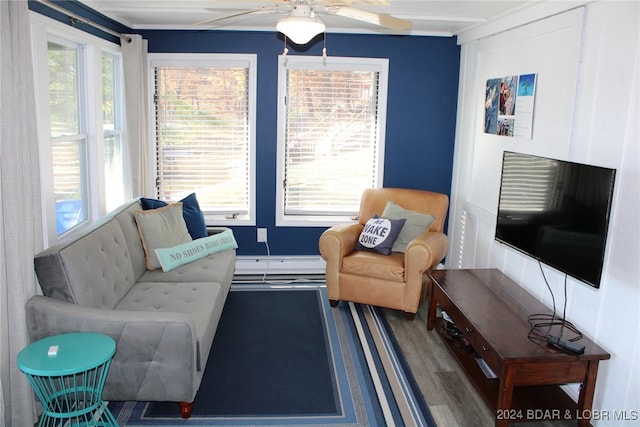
429 17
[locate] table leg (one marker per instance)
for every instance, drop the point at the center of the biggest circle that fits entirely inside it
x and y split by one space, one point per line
433 305
587 388
505 397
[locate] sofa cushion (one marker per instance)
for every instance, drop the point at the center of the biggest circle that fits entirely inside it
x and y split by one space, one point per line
161 228
201 301
218 268
193 216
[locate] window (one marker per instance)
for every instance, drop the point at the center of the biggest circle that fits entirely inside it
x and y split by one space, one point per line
205 132
68 136
78 88
331 125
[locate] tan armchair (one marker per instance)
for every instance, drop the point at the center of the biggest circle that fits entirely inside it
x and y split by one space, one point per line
393 281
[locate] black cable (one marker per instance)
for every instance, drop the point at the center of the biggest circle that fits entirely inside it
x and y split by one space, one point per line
541 321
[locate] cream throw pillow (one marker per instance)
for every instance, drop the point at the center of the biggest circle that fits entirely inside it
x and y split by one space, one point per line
161 228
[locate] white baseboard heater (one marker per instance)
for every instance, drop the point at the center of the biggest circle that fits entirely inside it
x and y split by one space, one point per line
311 264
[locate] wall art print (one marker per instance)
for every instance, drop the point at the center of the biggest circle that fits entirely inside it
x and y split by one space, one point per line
508 108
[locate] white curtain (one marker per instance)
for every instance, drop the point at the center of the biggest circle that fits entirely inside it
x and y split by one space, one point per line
136 97
21 235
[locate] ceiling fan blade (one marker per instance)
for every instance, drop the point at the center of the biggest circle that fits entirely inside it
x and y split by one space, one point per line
233 15
381 19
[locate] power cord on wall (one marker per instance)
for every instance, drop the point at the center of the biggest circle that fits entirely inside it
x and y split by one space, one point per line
283 282
266 270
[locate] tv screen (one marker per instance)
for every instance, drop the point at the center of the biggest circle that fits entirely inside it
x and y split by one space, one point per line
556 212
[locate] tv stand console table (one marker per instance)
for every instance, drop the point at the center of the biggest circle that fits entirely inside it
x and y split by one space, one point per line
491 311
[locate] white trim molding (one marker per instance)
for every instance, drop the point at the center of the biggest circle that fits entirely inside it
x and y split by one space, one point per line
311 264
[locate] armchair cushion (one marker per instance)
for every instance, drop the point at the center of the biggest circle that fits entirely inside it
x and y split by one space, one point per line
369 264
379 234
416 224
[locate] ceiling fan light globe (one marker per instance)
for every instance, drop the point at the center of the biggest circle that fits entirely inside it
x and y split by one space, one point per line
300 29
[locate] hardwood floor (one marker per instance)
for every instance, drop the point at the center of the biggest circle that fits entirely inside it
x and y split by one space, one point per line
451 397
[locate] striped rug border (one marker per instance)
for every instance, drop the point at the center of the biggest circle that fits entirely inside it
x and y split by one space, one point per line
409 399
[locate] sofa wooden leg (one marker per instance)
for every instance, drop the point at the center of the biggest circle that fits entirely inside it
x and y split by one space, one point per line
409 316
334 302
185 409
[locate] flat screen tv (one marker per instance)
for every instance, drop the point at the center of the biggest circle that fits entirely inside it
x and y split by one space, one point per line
556 212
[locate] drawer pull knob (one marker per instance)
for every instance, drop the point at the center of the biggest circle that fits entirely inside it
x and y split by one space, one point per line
484 348
468 329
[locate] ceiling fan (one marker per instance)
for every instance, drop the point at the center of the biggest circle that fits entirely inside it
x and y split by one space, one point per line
303 22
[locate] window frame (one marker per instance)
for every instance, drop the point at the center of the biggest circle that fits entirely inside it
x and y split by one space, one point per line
285 63
91 50
220 60
118 131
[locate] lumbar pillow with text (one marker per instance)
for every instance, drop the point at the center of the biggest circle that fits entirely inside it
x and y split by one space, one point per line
416 224
379 234
161 228
185 253
191 212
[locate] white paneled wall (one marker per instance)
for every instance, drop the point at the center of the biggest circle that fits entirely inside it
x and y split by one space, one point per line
587 110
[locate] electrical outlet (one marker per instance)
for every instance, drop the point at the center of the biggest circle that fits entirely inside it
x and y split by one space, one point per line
262 234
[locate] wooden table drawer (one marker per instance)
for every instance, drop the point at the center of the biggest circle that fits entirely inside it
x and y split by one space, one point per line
488 354
460 321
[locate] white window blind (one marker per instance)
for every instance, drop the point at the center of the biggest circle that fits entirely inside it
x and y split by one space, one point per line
332 136
204 133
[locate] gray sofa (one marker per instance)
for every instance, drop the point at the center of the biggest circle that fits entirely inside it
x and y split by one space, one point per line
163 322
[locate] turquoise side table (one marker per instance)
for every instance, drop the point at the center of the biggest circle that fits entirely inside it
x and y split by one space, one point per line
67 373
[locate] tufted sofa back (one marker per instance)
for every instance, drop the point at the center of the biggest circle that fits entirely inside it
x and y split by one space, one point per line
126 217
97 267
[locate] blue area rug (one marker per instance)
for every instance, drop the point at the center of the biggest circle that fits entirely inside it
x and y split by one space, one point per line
283 356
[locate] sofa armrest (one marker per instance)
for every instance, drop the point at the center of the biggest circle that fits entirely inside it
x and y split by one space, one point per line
156 352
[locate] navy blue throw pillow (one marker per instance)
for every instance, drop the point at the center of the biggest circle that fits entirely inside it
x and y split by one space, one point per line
379 234
191 213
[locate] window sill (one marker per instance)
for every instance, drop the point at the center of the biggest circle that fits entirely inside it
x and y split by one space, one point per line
312 221
216 221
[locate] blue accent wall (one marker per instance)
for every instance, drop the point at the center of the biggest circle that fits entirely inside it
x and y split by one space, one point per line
421 114
421 108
